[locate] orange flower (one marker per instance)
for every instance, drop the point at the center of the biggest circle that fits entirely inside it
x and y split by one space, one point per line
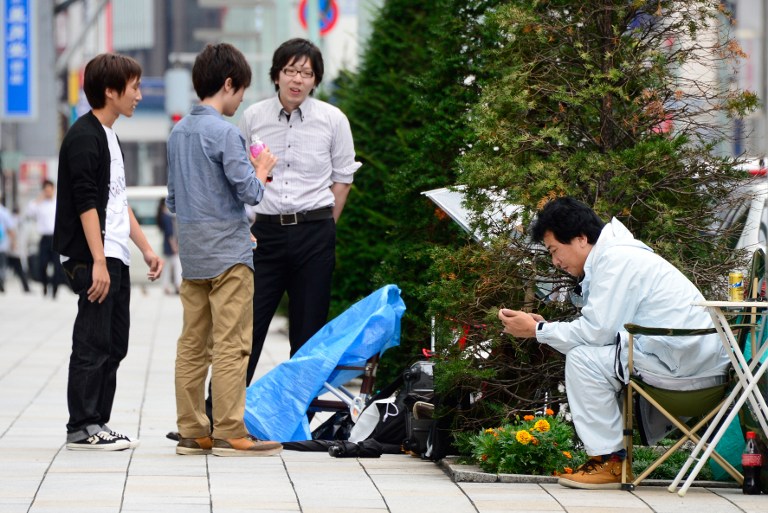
529 417
568 470
524 437
541 425
549 412
484 457
567 454
534 441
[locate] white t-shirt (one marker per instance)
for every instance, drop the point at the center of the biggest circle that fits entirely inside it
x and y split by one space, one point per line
44 213
118 229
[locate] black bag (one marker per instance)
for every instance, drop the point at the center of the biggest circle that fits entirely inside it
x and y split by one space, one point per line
419 386
419 381
337 427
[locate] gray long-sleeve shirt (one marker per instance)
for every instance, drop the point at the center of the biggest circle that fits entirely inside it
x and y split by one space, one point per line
210 180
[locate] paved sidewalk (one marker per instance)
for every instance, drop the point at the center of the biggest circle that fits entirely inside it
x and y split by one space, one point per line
38 475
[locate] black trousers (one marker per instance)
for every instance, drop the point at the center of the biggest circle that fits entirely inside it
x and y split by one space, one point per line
99 344
14 264
48 255
297 260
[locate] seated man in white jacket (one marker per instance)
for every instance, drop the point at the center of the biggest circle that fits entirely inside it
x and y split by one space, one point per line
622 281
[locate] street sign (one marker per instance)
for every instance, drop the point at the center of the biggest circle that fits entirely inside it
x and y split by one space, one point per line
329 15
18 60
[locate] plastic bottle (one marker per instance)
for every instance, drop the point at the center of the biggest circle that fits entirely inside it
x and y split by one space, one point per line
256 146
751 463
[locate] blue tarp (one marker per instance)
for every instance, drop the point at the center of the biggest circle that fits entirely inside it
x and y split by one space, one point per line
276 404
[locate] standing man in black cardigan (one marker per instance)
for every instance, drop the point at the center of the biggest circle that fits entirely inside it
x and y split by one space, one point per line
93 225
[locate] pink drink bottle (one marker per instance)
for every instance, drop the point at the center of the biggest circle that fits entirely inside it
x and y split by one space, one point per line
256 146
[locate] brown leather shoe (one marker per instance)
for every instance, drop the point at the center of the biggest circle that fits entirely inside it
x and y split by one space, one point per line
188 446
595 474
246 446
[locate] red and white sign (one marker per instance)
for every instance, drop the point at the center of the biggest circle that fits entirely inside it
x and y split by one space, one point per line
329 14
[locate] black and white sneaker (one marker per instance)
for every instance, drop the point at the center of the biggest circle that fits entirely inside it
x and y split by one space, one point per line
101 441
132 444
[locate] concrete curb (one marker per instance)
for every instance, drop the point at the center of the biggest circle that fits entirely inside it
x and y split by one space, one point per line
461 473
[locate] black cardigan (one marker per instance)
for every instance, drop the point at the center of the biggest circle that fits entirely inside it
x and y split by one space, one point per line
83 184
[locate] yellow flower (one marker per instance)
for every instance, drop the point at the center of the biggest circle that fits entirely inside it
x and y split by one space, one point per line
524 437
489 431
528 417
567 454
541 425
549 412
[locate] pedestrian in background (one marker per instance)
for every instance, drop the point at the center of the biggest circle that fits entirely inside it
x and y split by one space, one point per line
7 241
210 180
93 225
43 211
295 223
18 254
171 279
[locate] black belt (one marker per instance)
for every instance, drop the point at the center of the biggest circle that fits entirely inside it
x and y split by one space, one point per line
297 217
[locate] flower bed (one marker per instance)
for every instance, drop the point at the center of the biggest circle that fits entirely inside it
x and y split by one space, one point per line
541 445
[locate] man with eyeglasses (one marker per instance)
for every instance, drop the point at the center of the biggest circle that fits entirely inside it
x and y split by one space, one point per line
295 225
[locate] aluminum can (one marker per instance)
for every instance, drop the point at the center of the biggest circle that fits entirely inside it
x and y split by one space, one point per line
736 286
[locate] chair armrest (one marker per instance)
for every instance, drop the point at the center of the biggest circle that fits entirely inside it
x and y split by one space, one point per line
634 329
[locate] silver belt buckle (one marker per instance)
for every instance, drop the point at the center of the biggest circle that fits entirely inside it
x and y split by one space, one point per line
288 219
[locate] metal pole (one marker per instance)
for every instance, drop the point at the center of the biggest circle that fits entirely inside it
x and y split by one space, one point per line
763 132
313 21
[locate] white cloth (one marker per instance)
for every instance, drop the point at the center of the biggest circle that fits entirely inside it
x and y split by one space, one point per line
314 149
118 229
625 282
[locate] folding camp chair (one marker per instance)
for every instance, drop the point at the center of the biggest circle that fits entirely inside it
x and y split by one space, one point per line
688 411
355 403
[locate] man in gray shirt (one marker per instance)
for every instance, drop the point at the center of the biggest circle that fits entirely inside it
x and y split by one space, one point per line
296 221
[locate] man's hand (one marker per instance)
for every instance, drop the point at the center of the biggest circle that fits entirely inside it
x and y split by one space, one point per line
518 323
263 164
155 264
100 282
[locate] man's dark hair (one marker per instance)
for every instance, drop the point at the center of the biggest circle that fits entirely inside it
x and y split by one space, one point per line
292 50
214 65
47 182
567 218
108 71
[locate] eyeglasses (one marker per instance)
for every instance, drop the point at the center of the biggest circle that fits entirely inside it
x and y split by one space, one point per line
291 72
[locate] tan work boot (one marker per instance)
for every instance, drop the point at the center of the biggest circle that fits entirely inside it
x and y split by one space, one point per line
188 446
246 446
595 474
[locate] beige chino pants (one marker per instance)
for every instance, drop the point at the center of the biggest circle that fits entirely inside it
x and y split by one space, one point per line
217 332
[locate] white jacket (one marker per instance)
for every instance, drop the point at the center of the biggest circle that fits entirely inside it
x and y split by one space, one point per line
626 282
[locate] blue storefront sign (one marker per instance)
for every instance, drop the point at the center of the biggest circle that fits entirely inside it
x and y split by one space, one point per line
18 60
